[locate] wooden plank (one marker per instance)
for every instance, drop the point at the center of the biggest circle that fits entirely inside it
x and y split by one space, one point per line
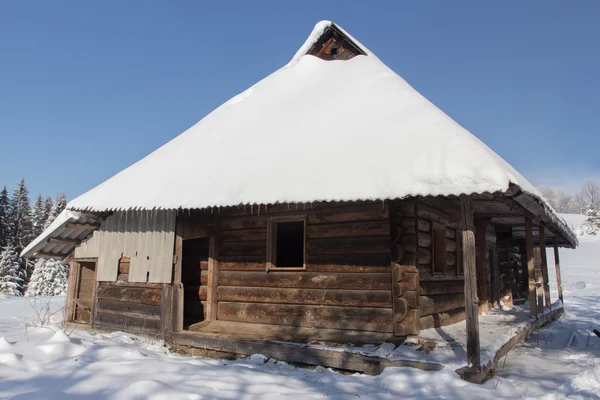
242 235
429 288
362 245
436 304
244 248
369 212
71 290
127 322
177 290
166 316
530 266
442 319
547 300
470 273
353 318
539 280
481 225
141 285
349 298
306 280
349 229
248 222
213 271
62 241
557 266
149 296
121 307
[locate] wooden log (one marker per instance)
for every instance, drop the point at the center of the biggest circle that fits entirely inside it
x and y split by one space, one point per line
214 251
400 309
318 262
557 266
362 245
328 317
423 257
166 308
177 291
369 212
451 233
397 252
440 303
349 298
250 222
470 272
308 280
433 214
547 301
411 225
243 235
481 225
530 267
429 288
121 307
247 248
128 323
442 319
349 229
411 242
130 294
450 245
451 259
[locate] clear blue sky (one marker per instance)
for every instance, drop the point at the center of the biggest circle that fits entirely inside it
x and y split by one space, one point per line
88 88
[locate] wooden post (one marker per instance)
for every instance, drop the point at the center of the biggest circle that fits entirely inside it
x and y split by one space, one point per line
177 292
470 273
547 301
530 266
539 280
213 271
481 225
557 264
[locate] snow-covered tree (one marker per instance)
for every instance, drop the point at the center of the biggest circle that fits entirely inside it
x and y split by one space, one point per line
59 205
590 194
4 217
49 278
11 272
591 226
39 216
20 223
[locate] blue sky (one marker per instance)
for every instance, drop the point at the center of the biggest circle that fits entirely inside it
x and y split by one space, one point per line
88 88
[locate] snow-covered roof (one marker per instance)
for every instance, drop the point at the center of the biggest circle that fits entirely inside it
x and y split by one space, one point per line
314 130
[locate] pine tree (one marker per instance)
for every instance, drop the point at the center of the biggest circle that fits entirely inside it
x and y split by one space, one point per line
591 225
11 274
49 279
20 223
48 204
4 217
59 205
39 216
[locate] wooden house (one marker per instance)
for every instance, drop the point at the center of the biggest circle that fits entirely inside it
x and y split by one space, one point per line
330 201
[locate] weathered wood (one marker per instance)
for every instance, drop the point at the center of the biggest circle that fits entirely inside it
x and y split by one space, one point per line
547 300
315 263
349 298
369 212
141 285
121 307
318 261
397 252
349 229
62 240
440 303
128 322
244 235
442 319
557 266
149 296
71 291
166 315
177 291
530 266
411 242
429 288
362 245
539 280
421 256
214 251
196 229
494 273
244 248
75 225
307 280
451 259
481 225
450 245
353 318
249 222
470 273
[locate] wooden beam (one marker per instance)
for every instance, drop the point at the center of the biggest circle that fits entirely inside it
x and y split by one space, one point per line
82 226
530 266
481 225
547 301
178 289
539 280
213 272
62 240
41 254
470 273
557 265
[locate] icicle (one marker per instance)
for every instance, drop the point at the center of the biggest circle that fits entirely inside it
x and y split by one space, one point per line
383 205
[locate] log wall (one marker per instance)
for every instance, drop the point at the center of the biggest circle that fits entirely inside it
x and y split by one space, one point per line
129 307
347 281
440 294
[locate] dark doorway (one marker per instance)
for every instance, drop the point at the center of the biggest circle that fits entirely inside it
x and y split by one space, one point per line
194 260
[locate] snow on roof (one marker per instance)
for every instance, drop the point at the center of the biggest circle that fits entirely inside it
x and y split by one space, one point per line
313 130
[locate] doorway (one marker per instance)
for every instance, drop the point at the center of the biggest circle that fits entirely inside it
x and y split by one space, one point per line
194 260
84 292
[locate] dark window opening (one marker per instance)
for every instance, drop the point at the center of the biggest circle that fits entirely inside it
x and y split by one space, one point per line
287 244
334 45
439 249
194 260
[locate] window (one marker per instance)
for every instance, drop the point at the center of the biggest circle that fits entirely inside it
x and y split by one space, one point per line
286 243
439 248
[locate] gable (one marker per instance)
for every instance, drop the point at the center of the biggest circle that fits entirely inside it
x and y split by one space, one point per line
334 45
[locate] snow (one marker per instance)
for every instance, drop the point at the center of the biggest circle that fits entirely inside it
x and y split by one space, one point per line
560 361
313 130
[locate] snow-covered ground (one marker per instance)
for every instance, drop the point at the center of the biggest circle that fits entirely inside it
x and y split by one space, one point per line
560 361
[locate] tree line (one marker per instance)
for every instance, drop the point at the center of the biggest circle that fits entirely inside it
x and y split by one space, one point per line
19 225
588 197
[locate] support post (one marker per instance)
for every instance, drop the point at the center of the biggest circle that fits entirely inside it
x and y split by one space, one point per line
481 225
557 265
470 273
213 271
539 280
177 292
530 266
547 301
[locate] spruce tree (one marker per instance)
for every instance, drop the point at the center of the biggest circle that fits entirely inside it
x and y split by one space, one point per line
20 223
48 204
11 273
49 279
39 216
59 205
4 217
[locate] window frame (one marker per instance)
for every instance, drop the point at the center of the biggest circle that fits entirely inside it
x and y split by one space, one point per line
272 223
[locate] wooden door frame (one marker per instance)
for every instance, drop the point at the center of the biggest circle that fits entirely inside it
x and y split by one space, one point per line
73 287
